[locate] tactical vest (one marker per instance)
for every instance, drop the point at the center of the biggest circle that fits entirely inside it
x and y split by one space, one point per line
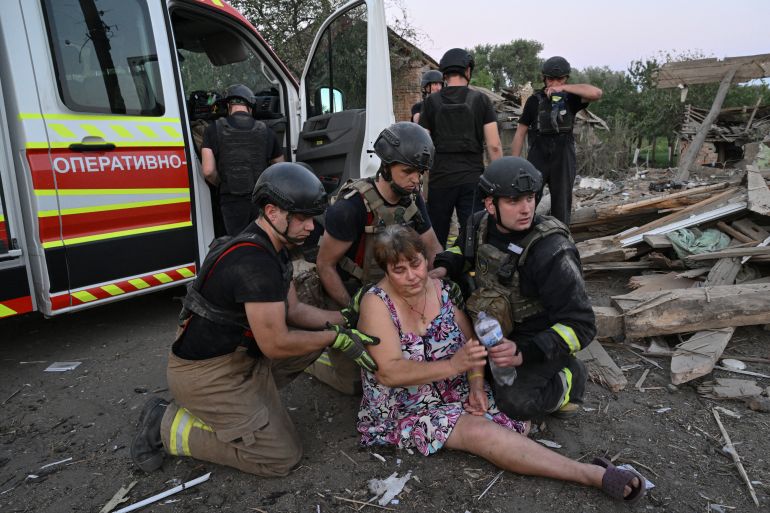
553 116
497 273
242 156
379 215
195 303
454 129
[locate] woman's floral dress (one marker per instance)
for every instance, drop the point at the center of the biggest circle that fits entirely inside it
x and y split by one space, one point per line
423 416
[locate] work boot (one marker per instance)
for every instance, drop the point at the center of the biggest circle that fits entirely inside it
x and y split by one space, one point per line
147 447
567 411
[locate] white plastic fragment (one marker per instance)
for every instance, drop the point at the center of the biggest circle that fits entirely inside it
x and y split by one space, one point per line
548 443
62 366
729 413
732 363
388 488
56 463
381 458
167 493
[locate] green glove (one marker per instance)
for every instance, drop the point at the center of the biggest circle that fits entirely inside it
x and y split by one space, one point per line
353 344
350 312
456 295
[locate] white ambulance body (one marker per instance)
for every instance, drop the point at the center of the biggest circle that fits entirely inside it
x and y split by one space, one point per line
101 192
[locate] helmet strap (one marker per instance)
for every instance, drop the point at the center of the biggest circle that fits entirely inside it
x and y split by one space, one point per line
388 176
498 218
284 234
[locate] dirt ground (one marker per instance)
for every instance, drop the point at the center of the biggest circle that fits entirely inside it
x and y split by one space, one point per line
87 416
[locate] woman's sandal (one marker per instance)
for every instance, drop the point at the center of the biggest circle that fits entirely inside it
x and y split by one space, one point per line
616 479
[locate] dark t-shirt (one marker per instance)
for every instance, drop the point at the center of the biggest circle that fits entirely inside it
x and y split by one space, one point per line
346 220
245 121
416 108
247 274
529 115
452 169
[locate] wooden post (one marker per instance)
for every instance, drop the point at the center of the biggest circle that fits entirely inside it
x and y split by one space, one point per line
753 113
687 160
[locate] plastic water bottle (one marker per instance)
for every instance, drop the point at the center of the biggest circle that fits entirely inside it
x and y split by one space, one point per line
490 334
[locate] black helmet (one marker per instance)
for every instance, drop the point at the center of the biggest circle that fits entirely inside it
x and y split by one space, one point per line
456 60
556 67
510 177
431 76
239 93
291 187
407 143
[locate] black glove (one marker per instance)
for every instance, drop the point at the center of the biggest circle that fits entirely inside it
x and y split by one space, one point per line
350 312
353 345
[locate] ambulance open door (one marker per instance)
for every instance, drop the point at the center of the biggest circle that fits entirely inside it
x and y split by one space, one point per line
15 297
345 94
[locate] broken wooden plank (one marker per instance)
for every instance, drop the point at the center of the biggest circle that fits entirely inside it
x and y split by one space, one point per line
628 207
603 249
729 253
601 367
659 281
697 356
729 388
682 310
735 234
762 244
118 498
624 266
609 322
711 70
759 194
723 272
691 153
750 229
688 216
657 241
693 273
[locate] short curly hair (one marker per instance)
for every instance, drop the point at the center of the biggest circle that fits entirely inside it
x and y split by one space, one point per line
395 243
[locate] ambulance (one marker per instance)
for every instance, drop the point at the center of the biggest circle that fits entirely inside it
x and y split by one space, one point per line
102 108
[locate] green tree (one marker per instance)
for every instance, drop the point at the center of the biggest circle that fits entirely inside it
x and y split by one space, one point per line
507 64
289 26
618 97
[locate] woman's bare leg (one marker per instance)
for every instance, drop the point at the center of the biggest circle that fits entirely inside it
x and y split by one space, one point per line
516 453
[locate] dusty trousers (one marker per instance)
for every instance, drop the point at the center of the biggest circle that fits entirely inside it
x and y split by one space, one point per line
554 156
227 410
542 388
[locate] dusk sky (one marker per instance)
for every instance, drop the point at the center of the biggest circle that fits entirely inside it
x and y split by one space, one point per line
600 32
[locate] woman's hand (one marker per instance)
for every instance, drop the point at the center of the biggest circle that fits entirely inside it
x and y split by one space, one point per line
478 403
506 354
471 355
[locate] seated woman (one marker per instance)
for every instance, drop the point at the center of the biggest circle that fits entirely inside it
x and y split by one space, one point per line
429 391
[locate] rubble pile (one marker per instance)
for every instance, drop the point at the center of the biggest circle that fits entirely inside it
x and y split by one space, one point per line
700 254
